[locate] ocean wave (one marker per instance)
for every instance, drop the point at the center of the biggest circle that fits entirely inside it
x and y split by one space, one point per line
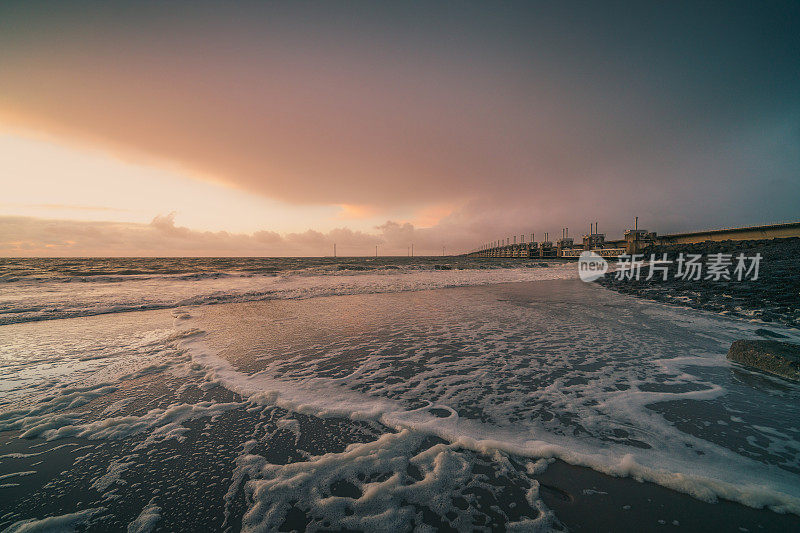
56 300
89 270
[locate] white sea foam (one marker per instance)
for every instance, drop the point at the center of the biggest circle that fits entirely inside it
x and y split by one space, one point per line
112 476
66 522
160 424
494 393
147 519
17 474
377 488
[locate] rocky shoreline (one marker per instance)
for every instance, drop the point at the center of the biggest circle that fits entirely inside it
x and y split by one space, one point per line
773 297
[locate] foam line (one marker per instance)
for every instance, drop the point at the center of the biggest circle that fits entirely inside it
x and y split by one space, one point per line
729 476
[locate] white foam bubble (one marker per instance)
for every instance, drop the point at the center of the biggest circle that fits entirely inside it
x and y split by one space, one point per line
112 476
65 522
378 492
147 519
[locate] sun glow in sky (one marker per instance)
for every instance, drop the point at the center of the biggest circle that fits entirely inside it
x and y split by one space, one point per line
45 179
42 178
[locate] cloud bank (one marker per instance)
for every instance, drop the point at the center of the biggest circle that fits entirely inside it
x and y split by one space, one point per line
29 237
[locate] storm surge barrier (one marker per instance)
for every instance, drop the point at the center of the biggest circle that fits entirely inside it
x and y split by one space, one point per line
633 241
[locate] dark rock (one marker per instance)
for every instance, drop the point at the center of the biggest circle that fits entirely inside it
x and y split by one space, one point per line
776 357
770 334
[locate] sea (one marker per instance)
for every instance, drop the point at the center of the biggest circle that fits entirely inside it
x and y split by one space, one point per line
379 394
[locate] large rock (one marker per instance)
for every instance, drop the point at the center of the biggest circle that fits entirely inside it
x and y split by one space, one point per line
776 357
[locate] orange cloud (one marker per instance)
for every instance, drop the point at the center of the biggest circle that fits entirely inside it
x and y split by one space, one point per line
356 212
430 216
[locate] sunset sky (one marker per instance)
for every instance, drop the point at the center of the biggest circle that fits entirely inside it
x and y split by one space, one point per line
204 128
